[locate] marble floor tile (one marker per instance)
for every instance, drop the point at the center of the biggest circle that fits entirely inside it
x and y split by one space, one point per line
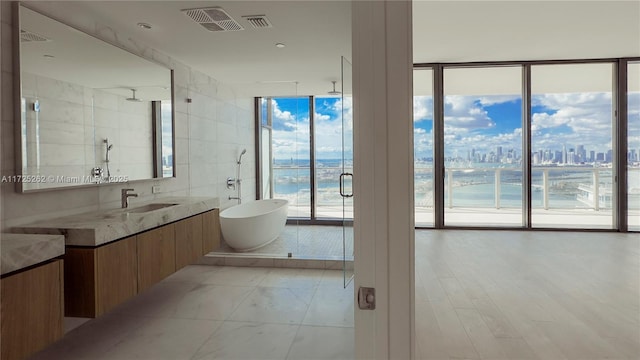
292 278
333 279
71 323
249 340
213 302
193 273
93 337
237 276
170 339
274 305
337 343
331 307
157 301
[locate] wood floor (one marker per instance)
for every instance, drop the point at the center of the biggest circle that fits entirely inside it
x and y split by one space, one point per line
527 295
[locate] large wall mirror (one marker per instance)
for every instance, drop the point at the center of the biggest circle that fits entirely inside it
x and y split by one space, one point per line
89 112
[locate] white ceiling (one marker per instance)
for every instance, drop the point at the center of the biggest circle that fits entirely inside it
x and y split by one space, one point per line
78 58
317 33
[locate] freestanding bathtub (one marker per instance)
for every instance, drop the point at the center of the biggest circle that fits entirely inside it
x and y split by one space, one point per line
249 226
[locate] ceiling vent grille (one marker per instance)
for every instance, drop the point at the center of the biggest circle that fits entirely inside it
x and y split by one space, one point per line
258 21
213 19
29 36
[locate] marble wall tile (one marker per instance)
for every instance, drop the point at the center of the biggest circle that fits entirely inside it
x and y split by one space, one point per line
181 94
61 154
105 100
105 118
199 166
59 90
203 128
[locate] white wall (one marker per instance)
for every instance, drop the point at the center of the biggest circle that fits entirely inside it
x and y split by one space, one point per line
210 131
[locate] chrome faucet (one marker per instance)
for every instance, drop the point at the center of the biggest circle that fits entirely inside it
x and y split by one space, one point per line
125 197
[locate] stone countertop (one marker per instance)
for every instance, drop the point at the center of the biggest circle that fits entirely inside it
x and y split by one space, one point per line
101 227
23 250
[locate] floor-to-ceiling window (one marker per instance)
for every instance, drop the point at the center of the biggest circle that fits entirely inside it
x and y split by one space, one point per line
483 146
423 146
285 152
303 151
525 144
571 143
633 146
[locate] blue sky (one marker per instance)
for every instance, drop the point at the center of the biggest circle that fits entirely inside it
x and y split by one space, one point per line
483 123
471 122
291 127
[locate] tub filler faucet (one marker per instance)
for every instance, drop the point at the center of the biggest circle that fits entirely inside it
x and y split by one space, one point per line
125 197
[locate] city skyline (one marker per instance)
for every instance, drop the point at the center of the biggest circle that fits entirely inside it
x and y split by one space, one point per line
481 123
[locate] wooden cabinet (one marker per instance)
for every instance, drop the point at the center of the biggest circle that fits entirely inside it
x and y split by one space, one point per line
98 279
32 310
211 231
116 270
156 255
188 241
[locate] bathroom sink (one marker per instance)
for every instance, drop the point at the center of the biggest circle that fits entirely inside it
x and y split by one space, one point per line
149 207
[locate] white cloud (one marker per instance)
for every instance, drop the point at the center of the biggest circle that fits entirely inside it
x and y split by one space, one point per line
573 119
422 108
321 117
283 116
498 99
462 114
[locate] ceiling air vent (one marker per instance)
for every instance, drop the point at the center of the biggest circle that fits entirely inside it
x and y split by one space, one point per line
258 21
29 36
213 19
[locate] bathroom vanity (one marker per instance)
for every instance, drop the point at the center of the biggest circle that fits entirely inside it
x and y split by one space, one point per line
32 293
113 255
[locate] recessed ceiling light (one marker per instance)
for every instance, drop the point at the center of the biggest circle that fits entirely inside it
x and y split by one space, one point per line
280 45
144 25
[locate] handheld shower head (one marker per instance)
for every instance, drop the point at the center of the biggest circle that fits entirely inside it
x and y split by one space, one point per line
109 147
240 157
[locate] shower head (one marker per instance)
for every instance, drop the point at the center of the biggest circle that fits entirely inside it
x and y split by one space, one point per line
334 91
240 157
133 97
109 147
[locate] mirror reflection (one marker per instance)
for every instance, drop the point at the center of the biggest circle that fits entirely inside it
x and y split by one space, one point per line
90 112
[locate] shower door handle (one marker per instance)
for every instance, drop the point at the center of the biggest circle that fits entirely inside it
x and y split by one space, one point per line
342 176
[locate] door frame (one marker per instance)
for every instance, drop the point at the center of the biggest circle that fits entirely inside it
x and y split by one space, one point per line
383 181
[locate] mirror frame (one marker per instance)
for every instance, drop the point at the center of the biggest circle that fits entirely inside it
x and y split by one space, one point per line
17 108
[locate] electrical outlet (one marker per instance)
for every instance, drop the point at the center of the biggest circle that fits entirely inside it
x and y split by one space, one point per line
155 189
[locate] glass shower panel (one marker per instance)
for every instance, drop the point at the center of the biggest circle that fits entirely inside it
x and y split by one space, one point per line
346 177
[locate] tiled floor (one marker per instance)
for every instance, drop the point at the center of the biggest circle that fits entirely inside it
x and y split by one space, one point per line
211 312
305 242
